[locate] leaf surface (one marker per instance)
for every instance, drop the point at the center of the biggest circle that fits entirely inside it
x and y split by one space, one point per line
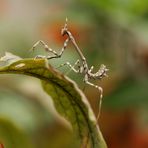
68 99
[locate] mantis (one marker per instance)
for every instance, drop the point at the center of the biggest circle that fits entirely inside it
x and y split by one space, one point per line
82 66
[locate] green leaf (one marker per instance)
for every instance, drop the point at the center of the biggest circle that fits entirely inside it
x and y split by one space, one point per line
68 99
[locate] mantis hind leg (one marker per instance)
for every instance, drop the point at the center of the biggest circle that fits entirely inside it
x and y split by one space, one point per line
101 95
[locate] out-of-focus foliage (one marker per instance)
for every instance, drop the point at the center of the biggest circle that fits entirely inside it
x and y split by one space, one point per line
12 136
127 93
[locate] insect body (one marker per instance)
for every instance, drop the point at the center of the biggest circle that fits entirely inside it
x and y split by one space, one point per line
82 66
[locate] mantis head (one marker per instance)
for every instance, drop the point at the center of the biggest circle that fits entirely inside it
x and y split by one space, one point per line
65 28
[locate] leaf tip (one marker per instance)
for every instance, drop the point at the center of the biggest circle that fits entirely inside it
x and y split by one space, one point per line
9 58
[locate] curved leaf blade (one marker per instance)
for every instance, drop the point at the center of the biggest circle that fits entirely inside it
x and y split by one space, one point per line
68 99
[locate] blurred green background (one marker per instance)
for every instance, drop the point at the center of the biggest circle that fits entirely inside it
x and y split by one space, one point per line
112 32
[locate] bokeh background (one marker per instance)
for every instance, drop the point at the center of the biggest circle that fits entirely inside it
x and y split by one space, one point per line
112 32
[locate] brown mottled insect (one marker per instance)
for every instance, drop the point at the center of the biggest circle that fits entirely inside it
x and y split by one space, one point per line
82 66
